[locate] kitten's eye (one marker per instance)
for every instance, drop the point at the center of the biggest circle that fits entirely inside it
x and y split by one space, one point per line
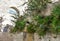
13 10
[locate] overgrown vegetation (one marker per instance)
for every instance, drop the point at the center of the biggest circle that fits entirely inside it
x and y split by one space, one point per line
56 19
40 24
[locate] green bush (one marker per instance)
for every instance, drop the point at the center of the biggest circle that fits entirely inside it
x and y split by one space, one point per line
40 24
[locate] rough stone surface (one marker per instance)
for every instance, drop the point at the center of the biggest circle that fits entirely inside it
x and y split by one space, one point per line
11 37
